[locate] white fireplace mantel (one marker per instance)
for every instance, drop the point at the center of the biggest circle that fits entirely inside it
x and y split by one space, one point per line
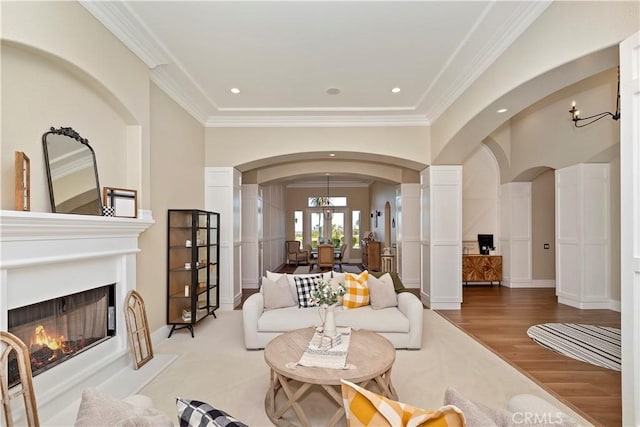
28 237
47 255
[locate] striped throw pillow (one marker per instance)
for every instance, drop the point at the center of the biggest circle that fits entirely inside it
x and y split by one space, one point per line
365 408
357 294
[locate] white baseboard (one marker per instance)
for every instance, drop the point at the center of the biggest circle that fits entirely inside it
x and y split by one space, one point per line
536 283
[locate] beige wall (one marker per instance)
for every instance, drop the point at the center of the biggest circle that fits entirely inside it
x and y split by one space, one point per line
37 93
177 161
480 188
253 144
381 193
93 68
543 261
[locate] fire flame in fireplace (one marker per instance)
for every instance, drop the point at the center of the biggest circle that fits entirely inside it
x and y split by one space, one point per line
41 338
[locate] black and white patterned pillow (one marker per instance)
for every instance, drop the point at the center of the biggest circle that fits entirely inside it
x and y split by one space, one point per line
194 413
304 286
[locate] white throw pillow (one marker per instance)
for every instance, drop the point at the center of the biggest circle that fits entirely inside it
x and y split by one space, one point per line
277 294
98 409
381 292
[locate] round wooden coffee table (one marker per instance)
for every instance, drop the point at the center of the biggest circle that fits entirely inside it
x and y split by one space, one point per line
370 353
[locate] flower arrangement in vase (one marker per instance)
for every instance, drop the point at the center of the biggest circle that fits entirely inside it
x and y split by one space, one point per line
326 295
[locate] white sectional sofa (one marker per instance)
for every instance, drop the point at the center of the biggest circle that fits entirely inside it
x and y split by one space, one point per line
402 324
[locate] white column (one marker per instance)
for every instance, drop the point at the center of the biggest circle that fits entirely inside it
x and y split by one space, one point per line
630 227
222 195
408 234
442 237
251 236
582 236
515 234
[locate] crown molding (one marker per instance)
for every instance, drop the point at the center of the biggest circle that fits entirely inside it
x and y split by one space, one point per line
194 103
118 18
524 14
317 121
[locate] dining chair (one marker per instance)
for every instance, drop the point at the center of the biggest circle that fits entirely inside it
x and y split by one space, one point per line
311 259
340 256
325 257
10 344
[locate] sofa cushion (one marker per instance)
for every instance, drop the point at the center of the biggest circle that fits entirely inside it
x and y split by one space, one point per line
99 409
304 287
289 318
381 292
384 320
277 294
357 294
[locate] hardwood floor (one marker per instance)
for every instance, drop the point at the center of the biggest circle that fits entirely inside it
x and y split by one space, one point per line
498 317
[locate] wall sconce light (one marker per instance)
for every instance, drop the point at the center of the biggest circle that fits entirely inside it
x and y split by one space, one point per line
575 113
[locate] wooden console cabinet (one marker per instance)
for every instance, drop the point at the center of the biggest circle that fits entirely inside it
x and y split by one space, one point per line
482 268
370 255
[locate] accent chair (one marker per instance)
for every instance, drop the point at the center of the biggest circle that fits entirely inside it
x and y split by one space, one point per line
295 254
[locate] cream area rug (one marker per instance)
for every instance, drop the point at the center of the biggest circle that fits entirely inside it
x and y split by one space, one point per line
214 367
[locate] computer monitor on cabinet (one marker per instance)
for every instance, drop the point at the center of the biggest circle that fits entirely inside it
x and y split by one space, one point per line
485 242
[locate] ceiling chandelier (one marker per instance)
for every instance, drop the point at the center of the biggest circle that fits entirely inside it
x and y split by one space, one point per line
327 209
578 121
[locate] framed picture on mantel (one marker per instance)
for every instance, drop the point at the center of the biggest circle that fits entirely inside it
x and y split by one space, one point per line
121 201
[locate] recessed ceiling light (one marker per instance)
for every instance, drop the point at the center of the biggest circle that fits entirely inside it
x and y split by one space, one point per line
333 91
395 90
502 110
235 90
332 154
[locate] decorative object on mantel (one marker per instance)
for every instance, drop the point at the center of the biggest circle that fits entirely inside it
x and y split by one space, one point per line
326 295
575 113
122 201
138 329
72 173
23 181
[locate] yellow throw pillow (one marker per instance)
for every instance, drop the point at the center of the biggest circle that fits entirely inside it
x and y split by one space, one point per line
357 294
365 408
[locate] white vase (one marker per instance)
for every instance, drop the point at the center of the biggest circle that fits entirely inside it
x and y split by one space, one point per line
329 321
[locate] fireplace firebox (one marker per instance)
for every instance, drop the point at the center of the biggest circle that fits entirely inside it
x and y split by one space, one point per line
58 329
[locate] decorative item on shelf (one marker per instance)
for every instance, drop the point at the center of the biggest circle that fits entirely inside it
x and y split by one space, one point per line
326 295
386 251
188 243
393 223
187 266
107 211
23 182
186 315
123 201
470 247
575 113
